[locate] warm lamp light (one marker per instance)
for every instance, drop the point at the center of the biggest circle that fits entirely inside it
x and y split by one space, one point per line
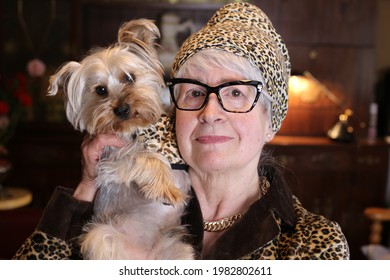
308 89
304 88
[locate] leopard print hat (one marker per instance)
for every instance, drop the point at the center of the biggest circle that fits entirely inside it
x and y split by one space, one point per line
243 29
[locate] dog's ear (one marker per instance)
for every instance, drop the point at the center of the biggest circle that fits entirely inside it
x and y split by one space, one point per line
58 82
143 30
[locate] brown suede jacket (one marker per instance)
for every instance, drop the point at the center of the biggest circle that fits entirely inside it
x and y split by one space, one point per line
274 227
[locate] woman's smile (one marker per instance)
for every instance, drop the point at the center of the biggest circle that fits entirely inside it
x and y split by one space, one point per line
213 139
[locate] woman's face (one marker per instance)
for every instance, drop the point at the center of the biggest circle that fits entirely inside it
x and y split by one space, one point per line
212 140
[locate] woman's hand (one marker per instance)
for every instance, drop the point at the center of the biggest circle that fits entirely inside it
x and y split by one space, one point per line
92 147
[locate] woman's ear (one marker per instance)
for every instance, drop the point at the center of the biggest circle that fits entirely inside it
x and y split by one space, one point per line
269 134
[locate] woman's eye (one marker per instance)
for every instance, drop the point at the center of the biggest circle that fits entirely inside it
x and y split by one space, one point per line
236 93
196 93
101 90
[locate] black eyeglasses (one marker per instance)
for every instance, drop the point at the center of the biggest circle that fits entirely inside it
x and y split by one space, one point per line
234 97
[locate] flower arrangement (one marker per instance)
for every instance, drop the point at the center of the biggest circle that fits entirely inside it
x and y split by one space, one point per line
14 99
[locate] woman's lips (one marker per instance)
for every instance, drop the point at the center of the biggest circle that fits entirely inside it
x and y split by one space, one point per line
213 139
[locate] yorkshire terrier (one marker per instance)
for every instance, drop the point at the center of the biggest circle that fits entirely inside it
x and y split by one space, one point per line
139 203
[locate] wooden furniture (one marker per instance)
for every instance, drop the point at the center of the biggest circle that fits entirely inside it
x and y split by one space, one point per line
337 180
377 216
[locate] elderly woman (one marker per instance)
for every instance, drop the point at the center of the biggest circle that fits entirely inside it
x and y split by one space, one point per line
229 88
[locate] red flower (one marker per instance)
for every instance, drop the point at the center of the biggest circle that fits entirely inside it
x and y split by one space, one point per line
14 98
23 96
4 108
25 99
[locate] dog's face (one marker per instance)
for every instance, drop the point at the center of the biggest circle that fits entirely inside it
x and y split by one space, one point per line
113 90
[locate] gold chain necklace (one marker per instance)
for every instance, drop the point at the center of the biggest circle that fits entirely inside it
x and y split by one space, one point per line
221 224
225 223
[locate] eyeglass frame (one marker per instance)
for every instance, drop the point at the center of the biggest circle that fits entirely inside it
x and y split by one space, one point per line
216 90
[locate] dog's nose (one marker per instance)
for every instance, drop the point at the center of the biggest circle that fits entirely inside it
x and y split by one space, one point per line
122 111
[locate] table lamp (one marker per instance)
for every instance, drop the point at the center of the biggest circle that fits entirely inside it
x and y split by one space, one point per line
309 89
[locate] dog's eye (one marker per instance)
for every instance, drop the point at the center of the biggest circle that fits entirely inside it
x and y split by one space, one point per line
130 79
100 90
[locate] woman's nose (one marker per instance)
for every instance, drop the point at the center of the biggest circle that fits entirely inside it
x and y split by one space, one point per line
212 111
